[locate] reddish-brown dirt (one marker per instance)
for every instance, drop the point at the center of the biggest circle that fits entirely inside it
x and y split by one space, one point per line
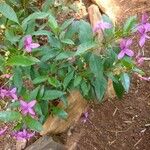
120 124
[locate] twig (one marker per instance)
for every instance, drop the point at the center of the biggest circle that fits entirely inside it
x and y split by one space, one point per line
137 142
115 111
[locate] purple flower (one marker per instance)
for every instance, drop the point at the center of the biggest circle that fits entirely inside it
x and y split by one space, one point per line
6 76
8 93
125 43
27 107
143 33
23 135
3 93
12 93
140 59
144 21
29 45
2 131
145 78
101 25
85 117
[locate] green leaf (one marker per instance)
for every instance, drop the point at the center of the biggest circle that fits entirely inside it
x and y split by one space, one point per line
84 47
38 109
20 60
85 88
59 112
49 54
77 81
9 116
85 32
64 55
33 124
96 65
67 41
53 24
64 100
72 30
125 79
139 71
40 79
52 94
119 89
36 15
34 93
68 78
130 24
8 12
54 82
42 32
127 62
66 24
108 32
14 104
100 86
17 78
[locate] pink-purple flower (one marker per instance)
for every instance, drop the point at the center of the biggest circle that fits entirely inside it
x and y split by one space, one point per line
27 107
101 25
13 93
29 45
2 131
140 59
6 76
84 117
144 21
23 135
9 93
143 30
124 46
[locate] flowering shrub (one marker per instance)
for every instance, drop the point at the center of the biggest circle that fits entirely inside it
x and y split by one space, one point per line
36 77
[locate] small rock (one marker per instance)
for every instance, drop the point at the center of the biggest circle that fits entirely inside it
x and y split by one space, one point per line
21 144
76 106
109 7
46 143
80 10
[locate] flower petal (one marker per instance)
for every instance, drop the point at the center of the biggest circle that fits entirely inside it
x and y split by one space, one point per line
122 44
121 54
28 40
144 18
28 48
142 41
32 103
2 131
129 52
24 111
35 45
106 25
31 111
23 103
13 90
128 42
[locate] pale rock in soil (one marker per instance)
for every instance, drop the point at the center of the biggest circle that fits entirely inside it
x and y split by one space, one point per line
109 7
80 10
110 93
76 106
21 144
95 17
46 143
